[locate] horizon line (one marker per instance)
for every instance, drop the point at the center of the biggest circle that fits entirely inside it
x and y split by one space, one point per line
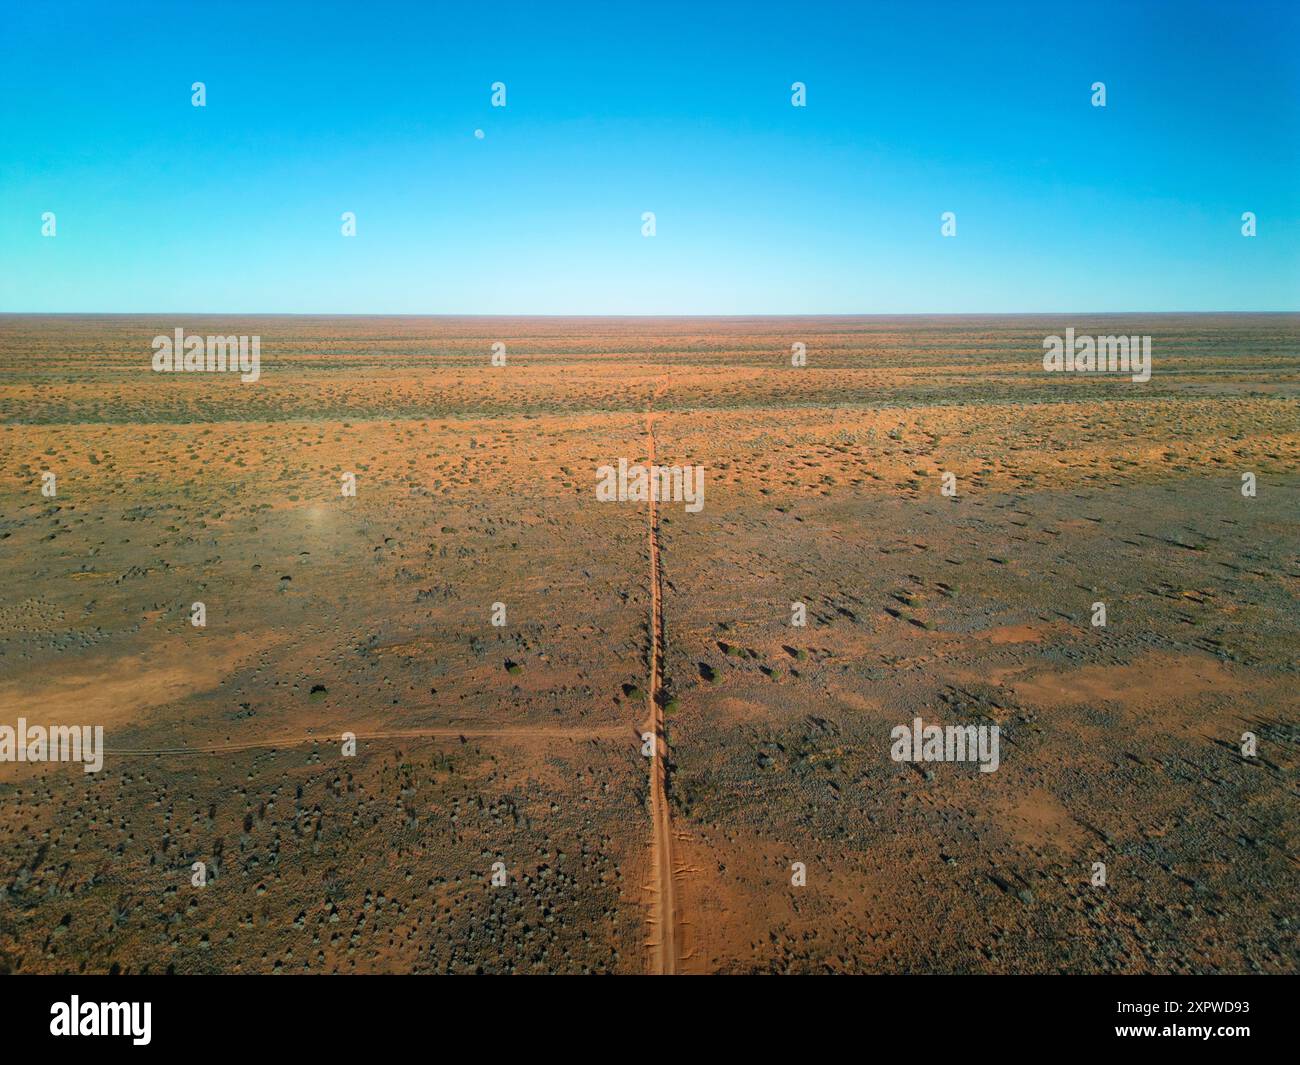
555 314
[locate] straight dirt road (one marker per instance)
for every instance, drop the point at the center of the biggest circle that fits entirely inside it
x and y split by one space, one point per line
665 902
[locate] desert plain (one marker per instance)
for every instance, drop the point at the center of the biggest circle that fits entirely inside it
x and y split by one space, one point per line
500 642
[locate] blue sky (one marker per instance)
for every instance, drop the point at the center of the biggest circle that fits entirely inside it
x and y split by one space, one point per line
612 110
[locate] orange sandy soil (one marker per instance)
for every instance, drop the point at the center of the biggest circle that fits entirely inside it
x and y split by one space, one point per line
520 744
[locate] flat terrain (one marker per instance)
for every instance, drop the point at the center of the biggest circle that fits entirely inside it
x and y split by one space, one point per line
515 750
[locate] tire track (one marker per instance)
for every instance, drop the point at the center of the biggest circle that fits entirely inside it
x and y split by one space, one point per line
661 840
299 741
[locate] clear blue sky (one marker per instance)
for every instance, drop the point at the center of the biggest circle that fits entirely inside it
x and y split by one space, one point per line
914 109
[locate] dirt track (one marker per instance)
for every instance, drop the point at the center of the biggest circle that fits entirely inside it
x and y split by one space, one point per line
298 741
665 903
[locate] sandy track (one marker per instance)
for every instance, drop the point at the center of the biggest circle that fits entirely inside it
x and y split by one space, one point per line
664 891
468 733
